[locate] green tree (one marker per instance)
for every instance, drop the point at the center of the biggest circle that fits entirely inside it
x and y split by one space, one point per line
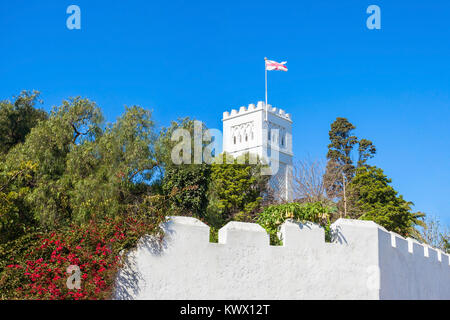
342 143
237 190
48 145
17 118
85 170
373 198
15 218
341 168
366 150
113 173
184 185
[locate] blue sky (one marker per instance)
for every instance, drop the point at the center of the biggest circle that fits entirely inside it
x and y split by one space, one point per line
200 58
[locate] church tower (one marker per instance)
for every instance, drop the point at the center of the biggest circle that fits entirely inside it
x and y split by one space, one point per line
267 132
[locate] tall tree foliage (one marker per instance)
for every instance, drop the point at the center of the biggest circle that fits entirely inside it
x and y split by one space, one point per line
237 189
17 118
84 170
112 174
186 188
184 185
15 217
341 147
341 167
373 198
363 191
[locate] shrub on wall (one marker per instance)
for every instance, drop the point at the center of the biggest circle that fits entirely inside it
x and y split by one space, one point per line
274 216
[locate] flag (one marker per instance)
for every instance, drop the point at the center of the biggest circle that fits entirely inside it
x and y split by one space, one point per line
273 65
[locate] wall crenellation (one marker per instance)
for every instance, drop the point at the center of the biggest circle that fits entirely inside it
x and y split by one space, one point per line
310 234
364 261
417 249
260 106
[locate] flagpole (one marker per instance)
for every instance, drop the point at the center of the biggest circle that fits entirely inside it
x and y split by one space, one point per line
265 68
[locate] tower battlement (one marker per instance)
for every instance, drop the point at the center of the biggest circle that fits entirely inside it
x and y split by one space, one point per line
260 106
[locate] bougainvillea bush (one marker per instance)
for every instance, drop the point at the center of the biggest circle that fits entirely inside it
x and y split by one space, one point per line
35 265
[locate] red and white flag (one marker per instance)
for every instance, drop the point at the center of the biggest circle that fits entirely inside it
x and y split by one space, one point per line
273 65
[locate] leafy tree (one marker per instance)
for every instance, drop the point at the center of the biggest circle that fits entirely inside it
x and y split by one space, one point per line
15 219
237 190
375 199
84 170
185 185
48 145
340 168
113 174
17 117
366 150
341 145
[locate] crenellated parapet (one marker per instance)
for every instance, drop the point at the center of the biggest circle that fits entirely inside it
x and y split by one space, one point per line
364 261
354 231
252 108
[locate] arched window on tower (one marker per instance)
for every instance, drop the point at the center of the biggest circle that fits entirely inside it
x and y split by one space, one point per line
268 135
246 138
234 139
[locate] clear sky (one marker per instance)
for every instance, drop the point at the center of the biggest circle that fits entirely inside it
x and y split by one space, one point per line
200 58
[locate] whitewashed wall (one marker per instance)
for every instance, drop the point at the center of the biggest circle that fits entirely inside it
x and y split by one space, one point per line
364 262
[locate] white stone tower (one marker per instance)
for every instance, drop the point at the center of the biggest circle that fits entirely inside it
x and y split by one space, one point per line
247 130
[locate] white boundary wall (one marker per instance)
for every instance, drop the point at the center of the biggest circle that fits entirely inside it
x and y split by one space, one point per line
364 262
